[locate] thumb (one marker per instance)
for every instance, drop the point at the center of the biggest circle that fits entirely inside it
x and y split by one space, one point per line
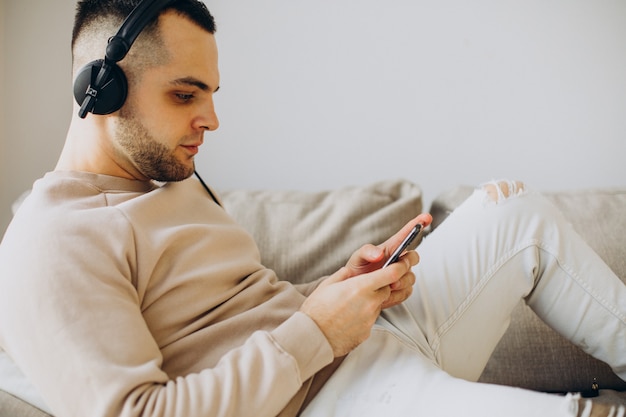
362 259
341 275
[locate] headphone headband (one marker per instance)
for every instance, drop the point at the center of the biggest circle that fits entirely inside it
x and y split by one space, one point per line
135 22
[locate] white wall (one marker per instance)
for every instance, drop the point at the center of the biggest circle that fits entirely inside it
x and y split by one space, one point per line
326 93
36 92
332 92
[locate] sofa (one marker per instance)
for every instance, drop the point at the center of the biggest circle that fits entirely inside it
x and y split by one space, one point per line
305 235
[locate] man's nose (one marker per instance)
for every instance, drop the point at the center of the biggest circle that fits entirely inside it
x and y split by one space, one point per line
208 120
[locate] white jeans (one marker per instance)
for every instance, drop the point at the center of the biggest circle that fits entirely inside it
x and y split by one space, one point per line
424 354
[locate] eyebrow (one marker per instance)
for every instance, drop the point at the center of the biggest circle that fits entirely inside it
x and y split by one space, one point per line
194 82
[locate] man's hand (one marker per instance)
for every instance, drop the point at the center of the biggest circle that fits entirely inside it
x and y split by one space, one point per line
346 304
345 307
370 258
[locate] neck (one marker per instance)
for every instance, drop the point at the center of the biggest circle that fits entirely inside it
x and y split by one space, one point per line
88 148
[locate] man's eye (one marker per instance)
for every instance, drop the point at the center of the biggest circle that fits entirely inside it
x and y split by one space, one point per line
184 97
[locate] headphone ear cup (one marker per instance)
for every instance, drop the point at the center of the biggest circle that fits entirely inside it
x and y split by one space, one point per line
112 93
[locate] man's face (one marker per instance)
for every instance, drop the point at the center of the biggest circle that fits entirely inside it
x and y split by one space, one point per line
162 124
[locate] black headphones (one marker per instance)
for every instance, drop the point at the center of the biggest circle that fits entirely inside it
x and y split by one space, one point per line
100 86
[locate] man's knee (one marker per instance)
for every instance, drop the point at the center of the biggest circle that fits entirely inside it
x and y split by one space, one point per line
502 189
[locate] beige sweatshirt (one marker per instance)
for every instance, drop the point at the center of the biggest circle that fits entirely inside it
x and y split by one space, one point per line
123 298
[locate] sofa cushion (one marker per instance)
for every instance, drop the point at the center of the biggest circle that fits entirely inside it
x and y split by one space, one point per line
306 235
11 406
531 354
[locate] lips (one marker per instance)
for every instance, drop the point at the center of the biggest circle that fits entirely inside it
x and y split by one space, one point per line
191 143
192 149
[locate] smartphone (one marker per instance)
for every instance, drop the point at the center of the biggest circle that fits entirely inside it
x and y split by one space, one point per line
405 244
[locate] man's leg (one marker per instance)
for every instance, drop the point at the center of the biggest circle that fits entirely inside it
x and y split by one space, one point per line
385 376
501 245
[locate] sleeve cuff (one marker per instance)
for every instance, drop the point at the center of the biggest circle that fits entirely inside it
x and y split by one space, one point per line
303 339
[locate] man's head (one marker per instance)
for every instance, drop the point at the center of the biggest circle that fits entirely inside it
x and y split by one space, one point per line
97 17
172 74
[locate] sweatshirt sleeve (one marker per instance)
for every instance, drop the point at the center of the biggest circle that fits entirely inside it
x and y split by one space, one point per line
72 321
307 288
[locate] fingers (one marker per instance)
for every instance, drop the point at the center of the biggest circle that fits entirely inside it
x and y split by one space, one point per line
370 258
406 281
365 259
397 297
342 274
400 290
395 276
412 257
394 241
424 219
375 280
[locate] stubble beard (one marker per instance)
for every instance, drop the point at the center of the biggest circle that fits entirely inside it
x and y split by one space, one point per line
150 157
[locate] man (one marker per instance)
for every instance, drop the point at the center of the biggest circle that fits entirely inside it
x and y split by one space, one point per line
143 297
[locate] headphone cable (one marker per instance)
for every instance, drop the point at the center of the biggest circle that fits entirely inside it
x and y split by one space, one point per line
206 187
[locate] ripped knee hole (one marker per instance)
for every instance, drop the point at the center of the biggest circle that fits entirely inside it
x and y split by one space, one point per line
503 189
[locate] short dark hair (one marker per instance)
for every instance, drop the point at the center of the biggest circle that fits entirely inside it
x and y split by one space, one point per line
90 11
